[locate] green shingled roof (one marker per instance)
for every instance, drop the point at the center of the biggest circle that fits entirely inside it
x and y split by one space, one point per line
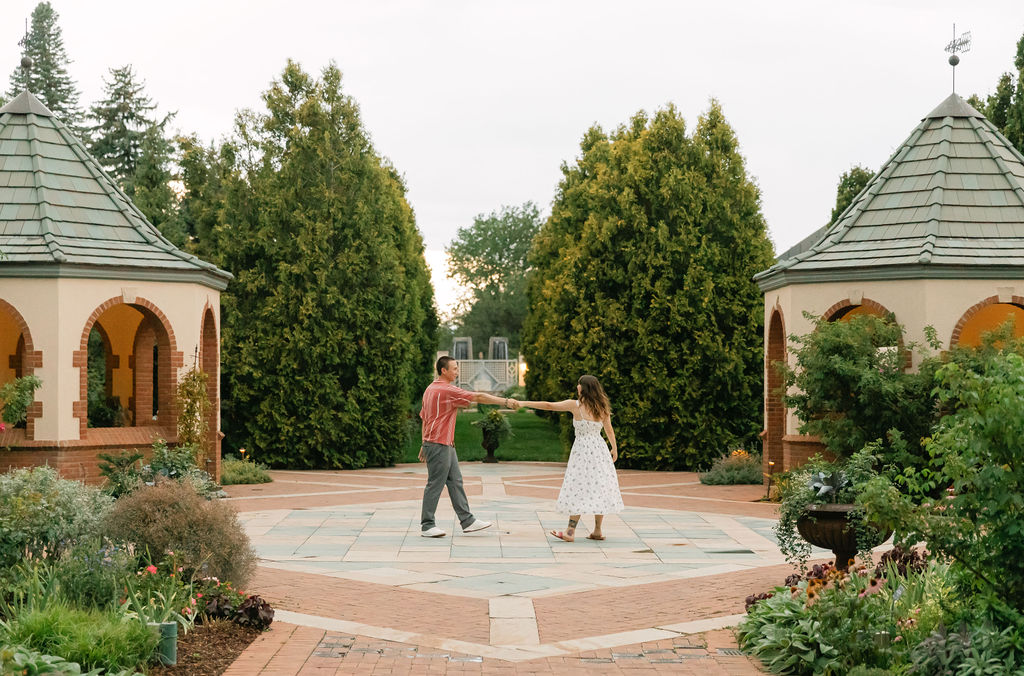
61 215
948 204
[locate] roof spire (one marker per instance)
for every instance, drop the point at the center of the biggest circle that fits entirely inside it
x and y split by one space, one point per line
957 44
26 61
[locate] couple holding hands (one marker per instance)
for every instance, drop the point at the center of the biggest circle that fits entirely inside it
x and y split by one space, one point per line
590 485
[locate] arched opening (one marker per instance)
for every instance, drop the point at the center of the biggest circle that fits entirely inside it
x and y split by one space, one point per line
17 358
209 363
126 367
845 311
986 317
774 410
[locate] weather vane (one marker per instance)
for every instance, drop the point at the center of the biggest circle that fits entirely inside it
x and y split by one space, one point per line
957 44
26 61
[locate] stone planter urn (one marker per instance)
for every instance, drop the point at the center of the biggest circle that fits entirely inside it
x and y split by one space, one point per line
829 527
490 444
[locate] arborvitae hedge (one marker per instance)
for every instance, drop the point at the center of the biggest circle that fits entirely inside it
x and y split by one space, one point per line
642 277
329 326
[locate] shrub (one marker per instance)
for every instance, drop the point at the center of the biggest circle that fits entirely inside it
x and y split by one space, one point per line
204 535
255 613
40 513
124 474
92 638
976 650
91 574
21 660
234 471
121 471
15 398
739 467
975 452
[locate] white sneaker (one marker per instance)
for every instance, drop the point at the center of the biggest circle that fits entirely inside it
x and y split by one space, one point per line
434 532
476 525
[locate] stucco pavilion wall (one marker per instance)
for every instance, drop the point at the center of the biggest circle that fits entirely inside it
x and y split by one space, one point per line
917 303
56 311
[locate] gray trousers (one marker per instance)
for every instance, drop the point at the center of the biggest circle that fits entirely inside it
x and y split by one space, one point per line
443 470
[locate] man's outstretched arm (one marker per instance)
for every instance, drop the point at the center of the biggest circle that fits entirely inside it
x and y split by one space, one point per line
484 398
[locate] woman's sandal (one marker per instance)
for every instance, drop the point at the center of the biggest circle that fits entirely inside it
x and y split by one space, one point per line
562 536
595 537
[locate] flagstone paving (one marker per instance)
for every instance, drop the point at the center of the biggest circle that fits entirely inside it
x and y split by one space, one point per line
358 590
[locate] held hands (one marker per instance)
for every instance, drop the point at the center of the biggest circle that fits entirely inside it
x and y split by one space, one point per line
512 404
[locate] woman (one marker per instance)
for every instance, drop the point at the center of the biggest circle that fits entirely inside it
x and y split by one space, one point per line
591 485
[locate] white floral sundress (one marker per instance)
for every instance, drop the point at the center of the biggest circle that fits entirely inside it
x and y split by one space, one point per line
591 485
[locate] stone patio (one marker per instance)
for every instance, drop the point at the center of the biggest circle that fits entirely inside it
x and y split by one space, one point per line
357 590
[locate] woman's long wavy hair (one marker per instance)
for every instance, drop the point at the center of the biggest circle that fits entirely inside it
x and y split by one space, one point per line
593 397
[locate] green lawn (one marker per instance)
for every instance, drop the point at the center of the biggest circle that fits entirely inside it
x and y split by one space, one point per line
533 438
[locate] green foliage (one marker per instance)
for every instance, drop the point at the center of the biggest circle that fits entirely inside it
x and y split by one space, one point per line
494 427
92 638
822 482
48 78
850 184
833 623
849 387
490 258
329 325
15 398
194 414
92 574
154 596
123 118
151 185
103 409
21 660
42 514
121 471
1005 107
975 452
970 651
642 277
204 535
739 467
234 471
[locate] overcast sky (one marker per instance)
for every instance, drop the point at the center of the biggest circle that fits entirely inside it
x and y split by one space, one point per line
478 103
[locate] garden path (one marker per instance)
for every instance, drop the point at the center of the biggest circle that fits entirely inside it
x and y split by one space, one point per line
357 590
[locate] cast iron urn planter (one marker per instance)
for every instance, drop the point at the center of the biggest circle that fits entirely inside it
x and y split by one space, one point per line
829 527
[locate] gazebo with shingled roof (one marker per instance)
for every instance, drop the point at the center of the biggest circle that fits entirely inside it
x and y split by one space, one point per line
79 259
936 238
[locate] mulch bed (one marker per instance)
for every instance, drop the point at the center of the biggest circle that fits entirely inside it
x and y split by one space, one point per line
208 649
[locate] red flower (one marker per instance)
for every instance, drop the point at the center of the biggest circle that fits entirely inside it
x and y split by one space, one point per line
151 569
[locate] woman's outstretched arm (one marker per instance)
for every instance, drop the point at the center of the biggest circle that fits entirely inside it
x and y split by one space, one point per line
567 405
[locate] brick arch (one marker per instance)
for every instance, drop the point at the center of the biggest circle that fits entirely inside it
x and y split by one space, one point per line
954 338
168 380
830 314
833 314
31 359
209 363
774 409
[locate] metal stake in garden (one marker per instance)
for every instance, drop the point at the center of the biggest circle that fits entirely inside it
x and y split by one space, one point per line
957 44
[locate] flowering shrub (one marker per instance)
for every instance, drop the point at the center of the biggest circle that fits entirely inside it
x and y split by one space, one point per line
738 467
160 594
42 514
205 535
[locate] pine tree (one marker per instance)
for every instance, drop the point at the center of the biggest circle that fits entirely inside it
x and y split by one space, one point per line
850 184
48 78
1005 107
642 277
151 186
329 325
123 123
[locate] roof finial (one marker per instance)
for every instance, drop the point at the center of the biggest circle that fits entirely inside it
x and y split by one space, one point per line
957 44
26 61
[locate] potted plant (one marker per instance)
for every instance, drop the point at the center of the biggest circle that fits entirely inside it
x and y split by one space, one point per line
495 428
818 507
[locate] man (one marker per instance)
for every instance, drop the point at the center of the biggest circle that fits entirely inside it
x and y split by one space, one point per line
441 403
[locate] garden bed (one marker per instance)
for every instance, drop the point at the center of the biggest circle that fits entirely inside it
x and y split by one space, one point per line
208 650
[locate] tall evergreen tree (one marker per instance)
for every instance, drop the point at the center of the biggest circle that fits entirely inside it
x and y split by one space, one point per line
329 324
490 258
1005 107
123 122
850 184
642 277
151 186
48 78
